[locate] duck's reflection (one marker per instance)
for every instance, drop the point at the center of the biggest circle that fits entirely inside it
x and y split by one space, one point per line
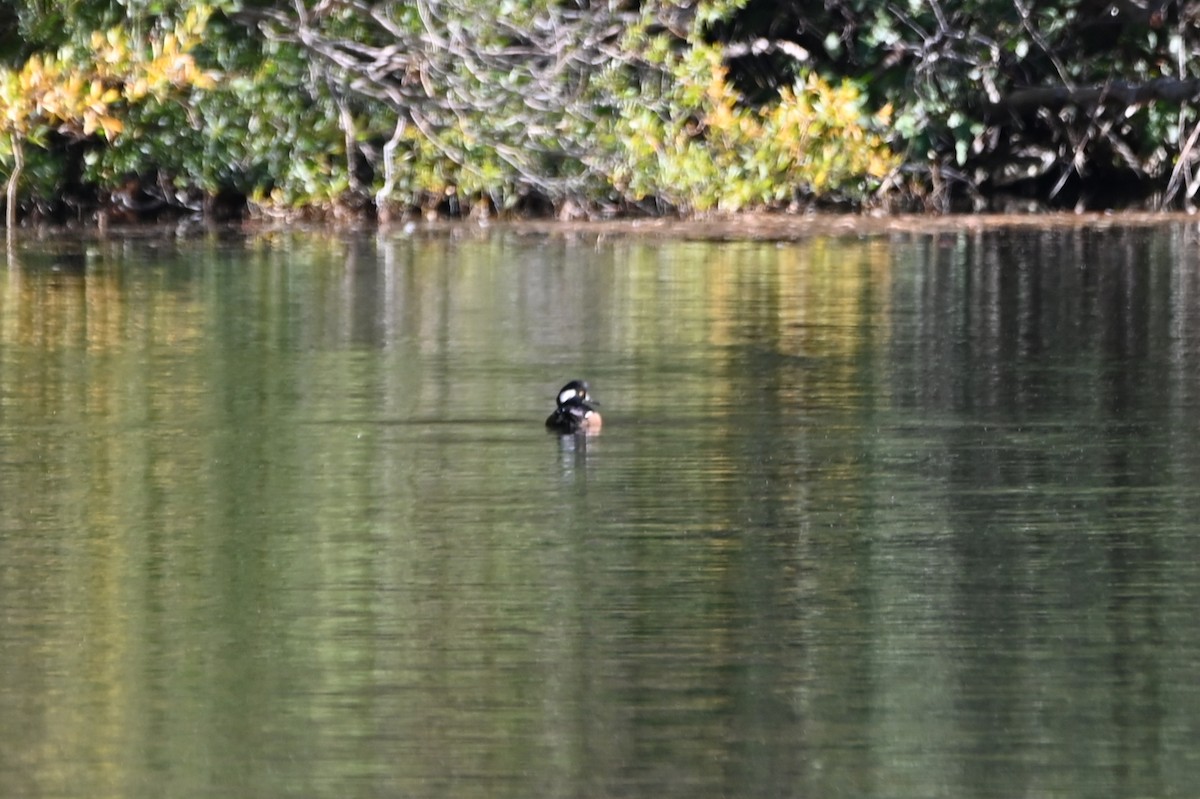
574 452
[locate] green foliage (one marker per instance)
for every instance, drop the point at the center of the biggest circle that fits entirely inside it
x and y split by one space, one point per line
958 75
487 102
602 106
253 134
85 90
698 147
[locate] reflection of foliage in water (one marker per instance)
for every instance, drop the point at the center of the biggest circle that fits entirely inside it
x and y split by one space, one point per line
305 479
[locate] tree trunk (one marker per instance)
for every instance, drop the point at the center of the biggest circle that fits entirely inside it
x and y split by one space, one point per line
10 215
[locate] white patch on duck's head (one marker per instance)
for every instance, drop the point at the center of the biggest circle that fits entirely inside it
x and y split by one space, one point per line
576 389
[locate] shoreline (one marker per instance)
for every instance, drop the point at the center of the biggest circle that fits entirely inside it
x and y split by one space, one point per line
747 226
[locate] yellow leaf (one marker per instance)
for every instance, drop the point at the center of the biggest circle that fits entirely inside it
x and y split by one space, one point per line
205 80
136 89
112 126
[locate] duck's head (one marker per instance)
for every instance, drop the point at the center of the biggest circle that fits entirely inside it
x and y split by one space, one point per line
575 391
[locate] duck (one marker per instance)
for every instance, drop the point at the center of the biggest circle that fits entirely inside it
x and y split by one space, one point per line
576 411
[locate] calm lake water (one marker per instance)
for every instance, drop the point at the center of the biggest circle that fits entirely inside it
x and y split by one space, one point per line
905 515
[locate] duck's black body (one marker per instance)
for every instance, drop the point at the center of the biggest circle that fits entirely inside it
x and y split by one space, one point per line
576 411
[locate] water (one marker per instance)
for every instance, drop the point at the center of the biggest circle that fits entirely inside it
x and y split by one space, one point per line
904 515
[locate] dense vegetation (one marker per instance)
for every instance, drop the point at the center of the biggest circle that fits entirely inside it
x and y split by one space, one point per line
574 107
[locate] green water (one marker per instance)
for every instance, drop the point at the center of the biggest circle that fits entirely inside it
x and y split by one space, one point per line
892 516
